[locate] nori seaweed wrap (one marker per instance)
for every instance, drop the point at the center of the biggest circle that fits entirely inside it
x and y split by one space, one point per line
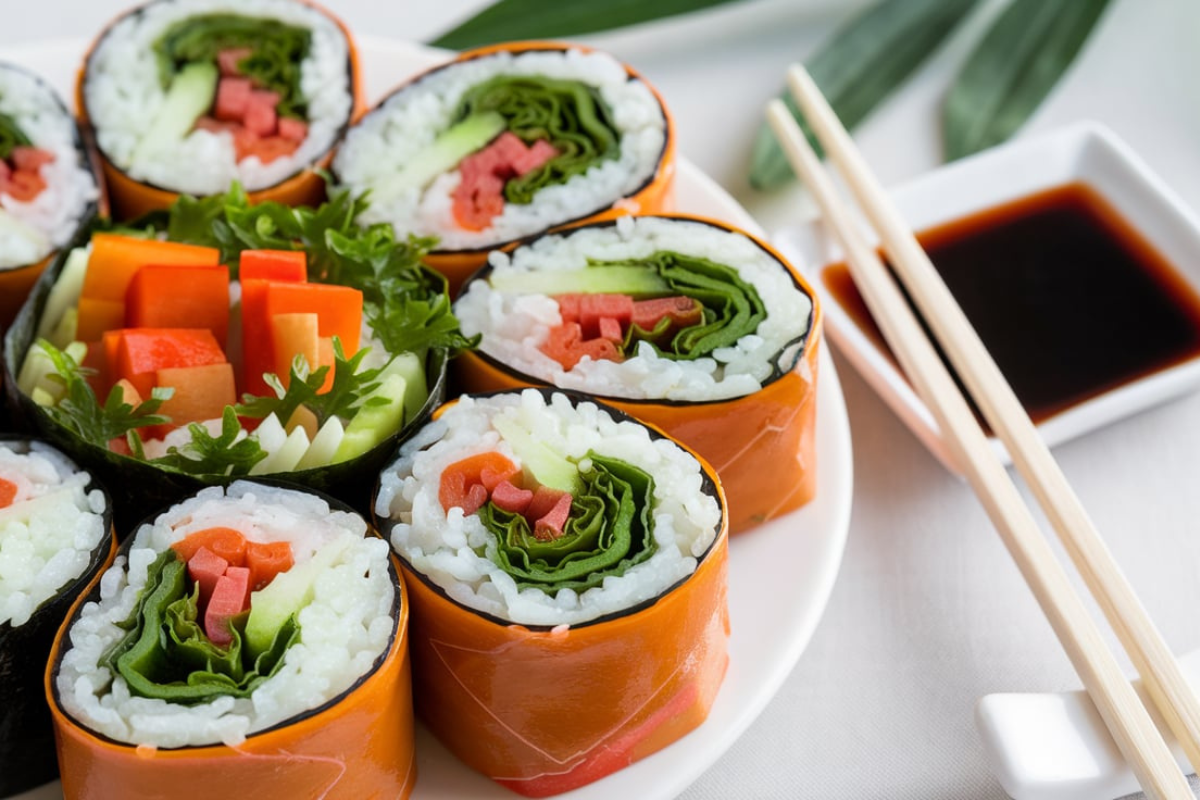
52 503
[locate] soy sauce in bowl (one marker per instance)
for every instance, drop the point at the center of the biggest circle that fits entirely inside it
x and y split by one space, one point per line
1068 297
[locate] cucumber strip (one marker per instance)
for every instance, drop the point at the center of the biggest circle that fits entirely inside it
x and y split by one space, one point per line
191 94
633 281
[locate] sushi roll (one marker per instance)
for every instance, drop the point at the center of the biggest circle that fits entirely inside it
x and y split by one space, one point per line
567 568
506 142
47 187
685 323
189 96
168 364
55 535
248 642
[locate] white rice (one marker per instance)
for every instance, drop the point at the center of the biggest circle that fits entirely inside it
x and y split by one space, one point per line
442 544
515 325
123 96
49 220
48 534
343 631
411 119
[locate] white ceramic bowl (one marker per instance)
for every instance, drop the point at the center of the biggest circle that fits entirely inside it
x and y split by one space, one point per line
1086 153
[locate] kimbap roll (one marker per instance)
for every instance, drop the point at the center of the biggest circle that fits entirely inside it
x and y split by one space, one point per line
685 323
506 142
567 568
182 360
55 536
47 187
189 96
248 642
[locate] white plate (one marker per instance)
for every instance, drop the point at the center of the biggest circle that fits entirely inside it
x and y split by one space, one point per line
794 557
1086 153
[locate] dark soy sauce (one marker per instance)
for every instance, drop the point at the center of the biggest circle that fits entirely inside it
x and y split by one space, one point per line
1070 300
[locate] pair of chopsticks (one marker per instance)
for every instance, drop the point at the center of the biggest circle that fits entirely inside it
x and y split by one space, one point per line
1127 720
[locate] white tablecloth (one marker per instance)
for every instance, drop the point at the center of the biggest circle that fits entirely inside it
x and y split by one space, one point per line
928 613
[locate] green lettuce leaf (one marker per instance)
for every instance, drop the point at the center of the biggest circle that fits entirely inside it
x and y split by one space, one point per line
732 307
276 52
570 115
610 530
11 136
166 655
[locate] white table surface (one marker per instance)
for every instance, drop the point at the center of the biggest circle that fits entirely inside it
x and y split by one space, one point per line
928 613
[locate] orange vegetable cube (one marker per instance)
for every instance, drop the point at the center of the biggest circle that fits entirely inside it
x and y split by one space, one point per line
200 392
292 335
95 316
115 259
185 296
142 352
273 265
338 308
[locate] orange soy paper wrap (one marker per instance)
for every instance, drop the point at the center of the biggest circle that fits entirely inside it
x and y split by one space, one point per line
358 745
546 711
131 198
762 445
655 195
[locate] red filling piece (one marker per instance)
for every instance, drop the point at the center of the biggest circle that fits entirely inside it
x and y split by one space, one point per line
20 173
479 198
250 114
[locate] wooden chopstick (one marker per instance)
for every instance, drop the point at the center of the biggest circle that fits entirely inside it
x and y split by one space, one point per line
1160 672
1119 706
